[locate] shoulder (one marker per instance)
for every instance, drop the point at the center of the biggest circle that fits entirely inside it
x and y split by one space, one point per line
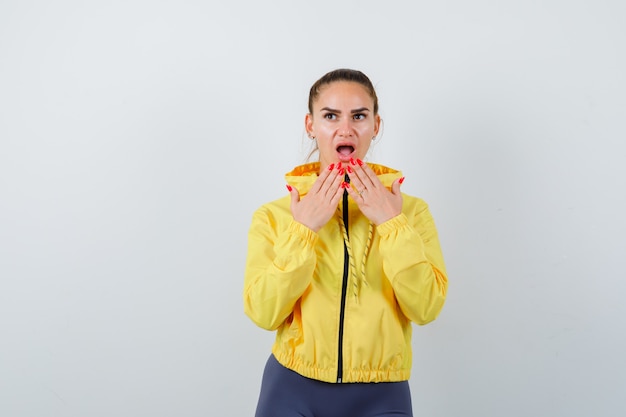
417 210
415 203
277 205
273 212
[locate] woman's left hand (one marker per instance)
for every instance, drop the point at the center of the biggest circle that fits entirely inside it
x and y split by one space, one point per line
375 201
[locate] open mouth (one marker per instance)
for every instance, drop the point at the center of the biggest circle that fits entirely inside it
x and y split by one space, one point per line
345 150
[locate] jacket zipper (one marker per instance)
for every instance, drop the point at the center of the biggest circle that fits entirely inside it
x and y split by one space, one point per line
344 287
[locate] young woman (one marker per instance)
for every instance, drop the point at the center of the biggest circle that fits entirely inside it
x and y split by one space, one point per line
340 268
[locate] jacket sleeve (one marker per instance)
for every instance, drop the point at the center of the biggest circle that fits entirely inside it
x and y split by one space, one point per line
279 268
413 263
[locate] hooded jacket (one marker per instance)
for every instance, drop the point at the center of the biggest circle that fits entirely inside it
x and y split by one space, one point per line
342 300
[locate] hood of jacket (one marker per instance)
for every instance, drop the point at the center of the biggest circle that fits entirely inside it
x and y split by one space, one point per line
303 176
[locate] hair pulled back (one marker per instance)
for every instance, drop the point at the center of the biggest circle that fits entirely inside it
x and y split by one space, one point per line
342 74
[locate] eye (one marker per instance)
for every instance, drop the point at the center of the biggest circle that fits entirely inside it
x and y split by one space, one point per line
330 116
359 116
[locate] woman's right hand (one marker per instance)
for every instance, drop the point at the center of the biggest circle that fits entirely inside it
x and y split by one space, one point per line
316 208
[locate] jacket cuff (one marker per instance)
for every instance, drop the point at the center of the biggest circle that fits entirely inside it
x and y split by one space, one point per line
307 235
392 225
398 230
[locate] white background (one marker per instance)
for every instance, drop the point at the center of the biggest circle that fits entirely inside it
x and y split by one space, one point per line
137 137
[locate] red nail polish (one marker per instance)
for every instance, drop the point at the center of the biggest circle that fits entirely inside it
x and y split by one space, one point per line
331 166
358 161
401 180
352 161
339 165
349 169
342 171
289 187
344 184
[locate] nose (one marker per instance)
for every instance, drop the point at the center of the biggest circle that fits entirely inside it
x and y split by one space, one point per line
346 128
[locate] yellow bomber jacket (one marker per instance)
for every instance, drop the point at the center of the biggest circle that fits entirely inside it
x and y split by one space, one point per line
359 331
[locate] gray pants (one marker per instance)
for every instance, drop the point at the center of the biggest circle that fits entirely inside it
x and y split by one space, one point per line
285 393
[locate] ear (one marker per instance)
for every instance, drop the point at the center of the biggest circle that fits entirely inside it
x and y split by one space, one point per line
377 125
308 124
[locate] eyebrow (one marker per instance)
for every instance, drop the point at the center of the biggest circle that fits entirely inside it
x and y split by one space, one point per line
360 110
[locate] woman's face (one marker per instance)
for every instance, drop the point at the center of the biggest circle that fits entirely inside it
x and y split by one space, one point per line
343 122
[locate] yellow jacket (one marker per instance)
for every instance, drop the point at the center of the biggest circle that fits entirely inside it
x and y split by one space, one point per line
335 325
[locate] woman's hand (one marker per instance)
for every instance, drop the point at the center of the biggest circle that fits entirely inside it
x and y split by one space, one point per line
375 201
316 208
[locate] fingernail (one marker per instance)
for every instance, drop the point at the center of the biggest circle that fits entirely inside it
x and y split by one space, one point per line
331 166
401 180
352 161
339 165
345 184
289 187
349 169
358 161
342 171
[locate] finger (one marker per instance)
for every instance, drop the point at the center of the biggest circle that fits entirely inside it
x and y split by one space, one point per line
361 195
361 172
332 185
322 178
353 191
357 180
334 201
356 186
395 187
295 195
366 175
